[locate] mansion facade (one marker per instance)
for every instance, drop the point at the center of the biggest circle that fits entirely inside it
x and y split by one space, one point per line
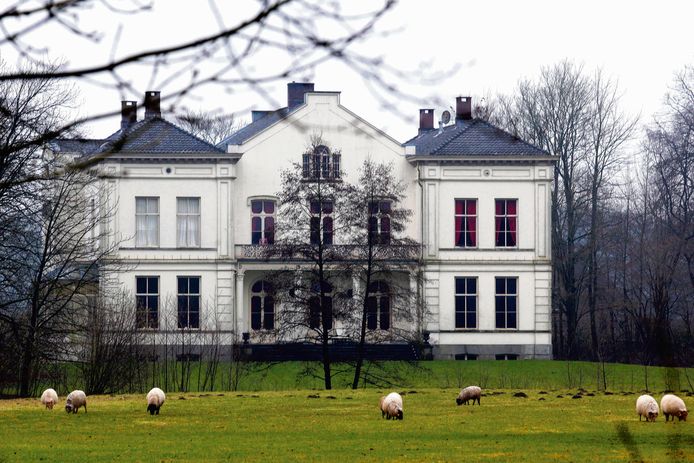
189 219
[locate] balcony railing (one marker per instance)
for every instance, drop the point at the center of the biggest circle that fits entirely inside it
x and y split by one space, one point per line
276 252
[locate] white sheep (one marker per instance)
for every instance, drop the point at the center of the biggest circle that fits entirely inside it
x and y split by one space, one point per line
469 393
49 398
155 399
647 407
673 406
75 400
391 406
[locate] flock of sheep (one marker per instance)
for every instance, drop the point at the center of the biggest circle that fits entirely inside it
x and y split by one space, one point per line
672 407
391 405
77 399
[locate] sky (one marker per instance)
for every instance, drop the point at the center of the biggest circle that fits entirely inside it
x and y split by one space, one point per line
490 45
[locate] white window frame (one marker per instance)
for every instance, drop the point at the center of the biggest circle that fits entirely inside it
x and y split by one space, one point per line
141 238
186 217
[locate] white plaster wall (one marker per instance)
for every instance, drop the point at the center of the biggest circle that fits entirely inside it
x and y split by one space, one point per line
267 154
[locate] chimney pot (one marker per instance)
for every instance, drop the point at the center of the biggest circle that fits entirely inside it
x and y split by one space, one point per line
426 120
128 114
463 108
152 104
296 91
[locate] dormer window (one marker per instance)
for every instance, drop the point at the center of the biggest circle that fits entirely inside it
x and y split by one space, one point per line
321 163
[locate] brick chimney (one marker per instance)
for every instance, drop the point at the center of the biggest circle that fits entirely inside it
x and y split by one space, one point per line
463 108
152 102
426 120
296 91
128 114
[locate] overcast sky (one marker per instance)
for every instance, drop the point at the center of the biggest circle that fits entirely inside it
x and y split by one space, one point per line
492 44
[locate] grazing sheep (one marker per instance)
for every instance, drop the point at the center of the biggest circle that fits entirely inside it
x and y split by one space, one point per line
49 398
673 406
469 393
391 406
75 400
647 407
155 399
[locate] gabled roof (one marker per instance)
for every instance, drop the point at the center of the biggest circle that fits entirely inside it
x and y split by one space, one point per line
76 145
155 135
254 128
472 137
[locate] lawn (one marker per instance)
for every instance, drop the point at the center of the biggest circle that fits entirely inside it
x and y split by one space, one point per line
345 425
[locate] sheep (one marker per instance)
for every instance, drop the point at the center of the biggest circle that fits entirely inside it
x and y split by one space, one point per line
391 406
469 393
673 407
647 407
155 399
49 398
75 400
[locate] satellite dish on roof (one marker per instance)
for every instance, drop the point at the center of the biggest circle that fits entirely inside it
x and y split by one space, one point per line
446 117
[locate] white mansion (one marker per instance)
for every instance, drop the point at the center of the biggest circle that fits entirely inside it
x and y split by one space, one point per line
188 215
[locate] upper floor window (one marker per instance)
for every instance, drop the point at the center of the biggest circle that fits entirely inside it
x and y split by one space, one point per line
378 306
146 221
506 219
188 222
315 307
466 223
321 210
189 302
466 302
506 302
321 163
147 302
379 222
262 306
262 221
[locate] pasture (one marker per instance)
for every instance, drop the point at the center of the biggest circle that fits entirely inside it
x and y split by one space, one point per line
344 425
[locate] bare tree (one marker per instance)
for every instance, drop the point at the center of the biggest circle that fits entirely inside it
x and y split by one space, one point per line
381 254
212 128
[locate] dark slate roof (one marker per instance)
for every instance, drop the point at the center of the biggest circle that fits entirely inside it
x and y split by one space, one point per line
76 145
155 135
472 137
258 126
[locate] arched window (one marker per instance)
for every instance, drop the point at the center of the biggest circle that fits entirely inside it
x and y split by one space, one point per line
378 306
314 304
321 163
262 306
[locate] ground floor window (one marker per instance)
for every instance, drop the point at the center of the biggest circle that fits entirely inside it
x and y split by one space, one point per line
147 302
466 302
507 356
506 302
262 306
188 302
378 306
315 307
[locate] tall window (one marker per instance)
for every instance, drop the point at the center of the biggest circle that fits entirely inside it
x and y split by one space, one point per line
189 302
147 302
321 210
315 312
378 306
262 306
321 163
146 221
262 221
466 223
188 222
379 221
506 217
466 302
506 302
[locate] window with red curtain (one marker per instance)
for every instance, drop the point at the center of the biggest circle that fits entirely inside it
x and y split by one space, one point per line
505 222
466 223
262 221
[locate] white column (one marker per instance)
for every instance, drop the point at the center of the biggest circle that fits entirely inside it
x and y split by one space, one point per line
241 321
415 301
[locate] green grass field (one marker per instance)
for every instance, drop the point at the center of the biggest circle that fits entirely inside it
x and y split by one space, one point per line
344 425
281 416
